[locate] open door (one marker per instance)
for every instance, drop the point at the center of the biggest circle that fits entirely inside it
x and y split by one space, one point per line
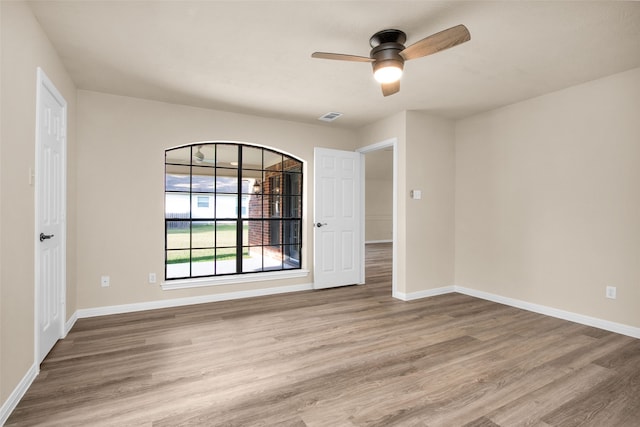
336 208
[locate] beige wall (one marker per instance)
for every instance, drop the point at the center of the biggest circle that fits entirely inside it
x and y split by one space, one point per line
25 47
548 199
379 196
378 210
426 162
430 167
121 187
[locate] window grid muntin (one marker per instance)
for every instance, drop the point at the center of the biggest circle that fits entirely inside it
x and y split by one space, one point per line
289 254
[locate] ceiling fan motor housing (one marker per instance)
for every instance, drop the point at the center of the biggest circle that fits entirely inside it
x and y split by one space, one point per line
388 36
387 45
387 55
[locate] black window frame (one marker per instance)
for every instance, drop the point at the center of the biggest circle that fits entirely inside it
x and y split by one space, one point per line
287 223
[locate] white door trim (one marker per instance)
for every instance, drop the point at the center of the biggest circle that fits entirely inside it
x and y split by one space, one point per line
44 83
392 142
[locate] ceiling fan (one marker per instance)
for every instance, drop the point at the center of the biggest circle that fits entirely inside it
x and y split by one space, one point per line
199 157
388 53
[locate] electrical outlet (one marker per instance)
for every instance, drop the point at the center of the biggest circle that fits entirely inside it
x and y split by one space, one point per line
611 292
152 278
104 281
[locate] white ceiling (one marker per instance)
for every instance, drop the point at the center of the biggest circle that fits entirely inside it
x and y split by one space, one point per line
254 56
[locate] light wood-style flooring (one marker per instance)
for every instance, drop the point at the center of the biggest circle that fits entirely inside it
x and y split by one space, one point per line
349 356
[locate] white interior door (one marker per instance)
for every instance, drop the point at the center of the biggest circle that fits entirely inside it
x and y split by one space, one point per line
336 206
50 216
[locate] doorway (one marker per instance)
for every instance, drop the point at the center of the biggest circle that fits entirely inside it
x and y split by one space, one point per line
379 218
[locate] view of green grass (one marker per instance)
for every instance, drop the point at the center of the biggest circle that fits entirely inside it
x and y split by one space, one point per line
203 236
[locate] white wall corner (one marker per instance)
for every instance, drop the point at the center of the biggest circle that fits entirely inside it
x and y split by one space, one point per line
14 398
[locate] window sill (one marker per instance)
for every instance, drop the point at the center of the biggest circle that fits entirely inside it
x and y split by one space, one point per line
232 279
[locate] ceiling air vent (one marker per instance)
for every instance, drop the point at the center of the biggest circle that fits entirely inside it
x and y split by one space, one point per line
329 117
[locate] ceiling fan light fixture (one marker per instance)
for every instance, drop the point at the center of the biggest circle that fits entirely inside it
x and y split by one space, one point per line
388 71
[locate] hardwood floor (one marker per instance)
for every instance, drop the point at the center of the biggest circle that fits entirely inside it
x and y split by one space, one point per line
349 356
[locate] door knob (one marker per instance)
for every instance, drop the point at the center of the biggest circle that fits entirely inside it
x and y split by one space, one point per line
44 237
320 224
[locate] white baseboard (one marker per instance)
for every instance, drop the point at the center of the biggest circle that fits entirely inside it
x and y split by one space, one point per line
554 312
536 308
607 325
378 241
177 302
14 398
69 323
423 294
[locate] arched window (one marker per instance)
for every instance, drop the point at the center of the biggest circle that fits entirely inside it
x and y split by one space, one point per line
231 209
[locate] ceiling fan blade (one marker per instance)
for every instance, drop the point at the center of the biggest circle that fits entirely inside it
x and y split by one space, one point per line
436 42
390 88
341 57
